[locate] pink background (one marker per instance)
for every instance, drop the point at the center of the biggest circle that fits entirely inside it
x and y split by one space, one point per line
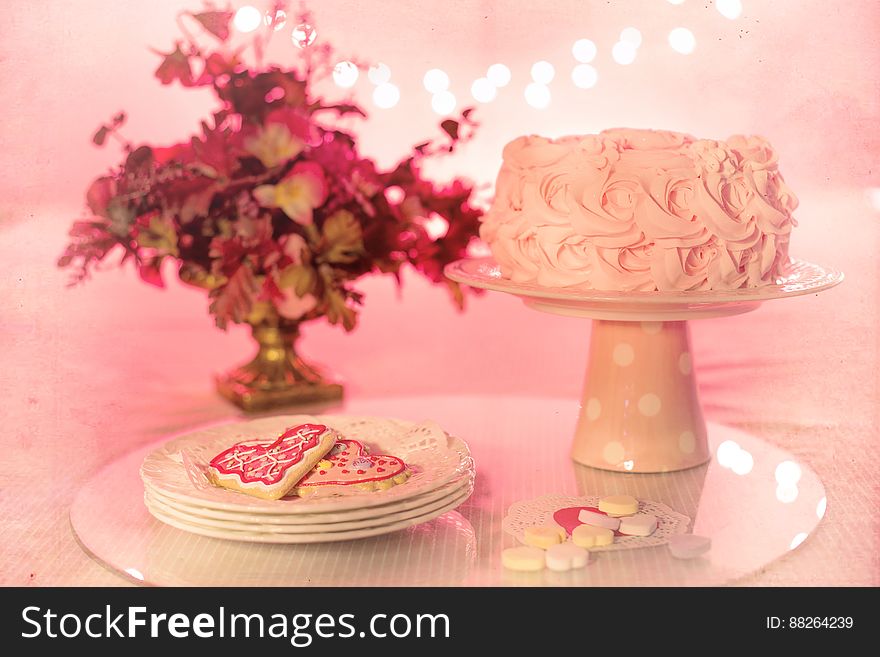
114 363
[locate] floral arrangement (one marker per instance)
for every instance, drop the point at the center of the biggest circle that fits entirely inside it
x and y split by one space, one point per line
270 205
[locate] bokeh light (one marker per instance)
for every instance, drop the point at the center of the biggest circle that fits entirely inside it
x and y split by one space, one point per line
624 52
726 453
277 20
345 74
584 51
443 103
729 8
538 95
499 75
394 194
379 73
631 35
543 72
436 226
682 40
483 90
584 76
743 463
247 19
436 81
386 95
303 35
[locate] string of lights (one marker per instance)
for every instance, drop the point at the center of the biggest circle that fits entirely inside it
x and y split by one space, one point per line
484 89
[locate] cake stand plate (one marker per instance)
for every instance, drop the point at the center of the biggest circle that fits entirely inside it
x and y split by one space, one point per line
639 406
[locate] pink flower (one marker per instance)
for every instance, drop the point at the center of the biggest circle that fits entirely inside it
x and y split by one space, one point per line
303 189
294 246
293 306
281 139
273 145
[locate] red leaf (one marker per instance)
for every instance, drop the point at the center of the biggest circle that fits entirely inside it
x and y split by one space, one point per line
217 149
175 66
189 197
298 125
149 272
234 301
101 135
139 162
215 66
181 153
270 291
100 192
215 22
450 127
342 109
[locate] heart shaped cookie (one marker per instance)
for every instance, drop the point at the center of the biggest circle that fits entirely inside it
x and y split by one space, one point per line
349 464
270 469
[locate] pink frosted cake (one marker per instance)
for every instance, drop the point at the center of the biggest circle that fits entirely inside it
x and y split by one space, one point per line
640 210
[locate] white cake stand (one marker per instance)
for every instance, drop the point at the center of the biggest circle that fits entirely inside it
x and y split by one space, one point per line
639 407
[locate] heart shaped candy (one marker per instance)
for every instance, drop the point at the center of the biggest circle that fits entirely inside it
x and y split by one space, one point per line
567 518
349 463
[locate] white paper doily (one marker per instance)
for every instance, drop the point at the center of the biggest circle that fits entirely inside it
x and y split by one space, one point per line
177 469
540 510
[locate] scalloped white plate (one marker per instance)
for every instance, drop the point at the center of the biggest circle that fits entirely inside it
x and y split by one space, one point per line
327 519
177 469
254 522
318 537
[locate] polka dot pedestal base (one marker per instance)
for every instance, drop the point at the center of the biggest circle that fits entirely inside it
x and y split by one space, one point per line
639 410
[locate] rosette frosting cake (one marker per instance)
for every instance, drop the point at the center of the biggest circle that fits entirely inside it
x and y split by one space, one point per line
640 210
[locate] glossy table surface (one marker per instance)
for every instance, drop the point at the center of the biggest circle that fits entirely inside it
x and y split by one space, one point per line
520 446
92 373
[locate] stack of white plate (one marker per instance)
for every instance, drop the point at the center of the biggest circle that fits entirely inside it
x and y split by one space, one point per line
177 492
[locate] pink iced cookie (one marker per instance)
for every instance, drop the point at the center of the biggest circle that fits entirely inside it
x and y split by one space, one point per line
270 469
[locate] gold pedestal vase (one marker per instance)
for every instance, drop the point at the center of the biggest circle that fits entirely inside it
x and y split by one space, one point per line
277 375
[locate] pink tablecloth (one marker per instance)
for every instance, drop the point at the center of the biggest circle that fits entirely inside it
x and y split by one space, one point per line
89 373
